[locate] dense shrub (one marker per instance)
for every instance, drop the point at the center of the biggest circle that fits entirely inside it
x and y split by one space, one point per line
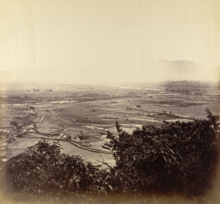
177 158
43 168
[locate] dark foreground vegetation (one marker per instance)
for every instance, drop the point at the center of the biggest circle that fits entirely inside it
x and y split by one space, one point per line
177 158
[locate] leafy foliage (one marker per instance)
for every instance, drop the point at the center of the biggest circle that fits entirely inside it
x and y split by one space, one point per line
179 158
43 168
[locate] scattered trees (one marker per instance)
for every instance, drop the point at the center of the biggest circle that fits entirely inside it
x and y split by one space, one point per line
14 124
32 108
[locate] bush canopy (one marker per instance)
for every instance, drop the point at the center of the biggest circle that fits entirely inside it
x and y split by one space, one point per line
178 157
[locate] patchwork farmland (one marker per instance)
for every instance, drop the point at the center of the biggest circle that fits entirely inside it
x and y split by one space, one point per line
81 117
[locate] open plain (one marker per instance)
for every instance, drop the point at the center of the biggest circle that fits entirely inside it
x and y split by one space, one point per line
81 116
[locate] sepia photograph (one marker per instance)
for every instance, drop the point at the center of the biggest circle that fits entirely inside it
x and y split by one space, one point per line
109 101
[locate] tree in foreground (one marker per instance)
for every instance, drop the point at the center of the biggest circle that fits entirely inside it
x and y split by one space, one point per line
178 158
43 168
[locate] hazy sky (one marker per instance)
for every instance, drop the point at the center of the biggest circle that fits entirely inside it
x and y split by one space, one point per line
107 36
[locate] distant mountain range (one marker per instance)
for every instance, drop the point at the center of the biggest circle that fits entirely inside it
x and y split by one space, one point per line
154 71
185 70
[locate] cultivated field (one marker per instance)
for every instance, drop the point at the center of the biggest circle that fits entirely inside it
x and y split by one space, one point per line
80 118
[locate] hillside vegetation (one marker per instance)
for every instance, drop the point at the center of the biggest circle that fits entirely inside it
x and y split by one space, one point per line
178 158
